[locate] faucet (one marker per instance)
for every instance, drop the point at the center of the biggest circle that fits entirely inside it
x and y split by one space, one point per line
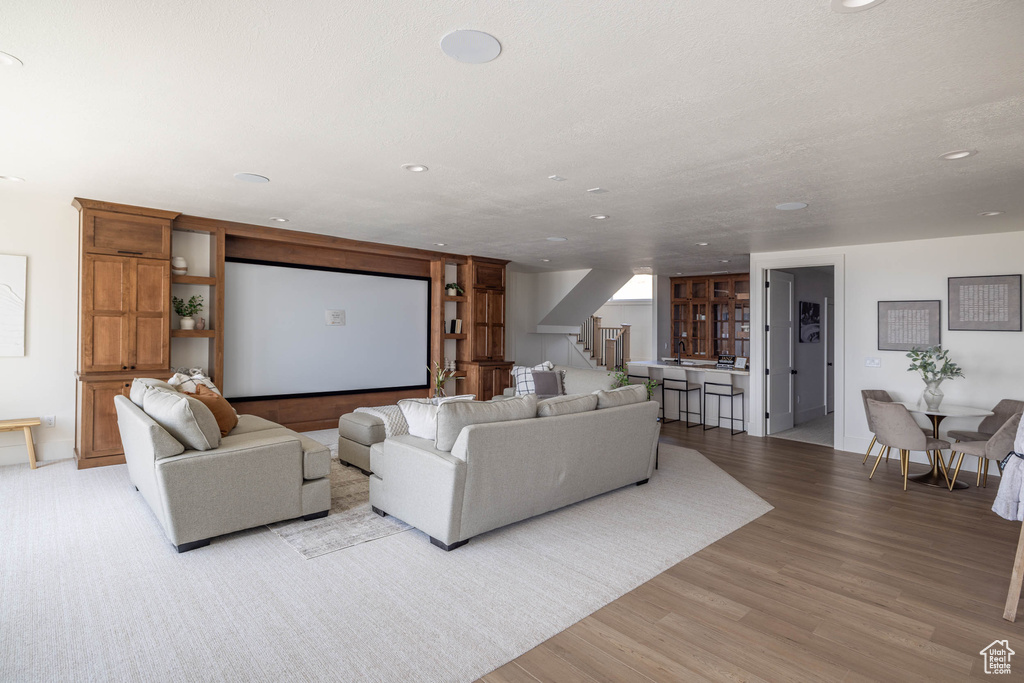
682 350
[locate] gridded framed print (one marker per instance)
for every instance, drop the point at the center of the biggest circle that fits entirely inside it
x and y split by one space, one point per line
908 325
985 302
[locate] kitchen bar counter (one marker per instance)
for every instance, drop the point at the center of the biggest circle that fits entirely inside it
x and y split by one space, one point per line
695 374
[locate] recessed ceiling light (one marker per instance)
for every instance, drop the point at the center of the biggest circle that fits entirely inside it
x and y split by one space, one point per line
471 47
678 273
599 217
597 190
556 178
724 260
415 168
791 206
279 220
545 260
702 244
557 239
252 178
958 154
10 60
12 178
846 6
440 244
989 214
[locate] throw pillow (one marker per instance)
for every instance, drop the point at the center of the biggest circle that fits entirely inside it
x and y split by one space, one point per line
454 415
623 396
522 377
566 405
140 384
421 416
222 411
186 418
547 383
188 382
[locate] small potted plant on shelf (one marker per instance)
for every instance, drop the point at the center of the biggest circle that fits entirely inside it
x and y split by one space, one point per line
441 376
935 366
453 289
187 309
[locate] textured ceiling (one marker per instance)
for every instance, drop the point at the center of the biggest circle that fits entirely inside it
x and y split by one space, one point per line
698 117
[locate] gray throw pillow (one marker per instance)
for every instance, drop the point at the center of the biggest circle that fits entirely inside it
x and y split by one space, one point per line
186 419
453 416
547 383
622 396
567 405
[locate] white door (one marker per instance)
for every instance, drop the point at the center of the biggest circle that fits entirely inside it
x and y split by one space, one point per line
830 355
780 351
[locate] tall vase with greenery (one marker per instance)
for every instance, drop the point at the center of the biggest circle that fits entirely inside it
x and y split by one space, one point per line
935 366
441 376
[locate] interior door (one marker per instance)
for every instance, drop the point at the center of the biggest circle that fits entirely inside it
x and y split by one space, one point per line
830 355
780 351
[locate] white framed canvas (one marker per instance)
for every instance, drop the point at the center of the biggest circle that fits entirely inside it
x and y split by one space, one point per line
12 304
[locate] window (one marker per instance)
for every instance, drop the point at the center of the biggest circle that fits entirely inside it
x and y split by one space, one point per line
638 287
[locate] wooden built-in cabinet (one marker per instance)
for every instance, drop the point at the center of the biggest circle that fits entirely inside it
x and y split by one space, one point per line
710 316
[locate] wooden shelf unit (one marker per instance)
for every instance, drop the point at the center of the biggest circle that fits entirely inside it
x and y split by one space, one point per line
194 334
711 315
192 280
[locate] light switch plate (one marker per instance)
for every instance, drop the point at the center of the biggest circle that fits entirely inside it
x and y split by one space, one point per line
872 362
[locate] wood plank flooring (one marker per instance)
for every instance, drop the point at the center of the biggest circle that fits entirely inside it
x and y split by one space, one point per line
846 580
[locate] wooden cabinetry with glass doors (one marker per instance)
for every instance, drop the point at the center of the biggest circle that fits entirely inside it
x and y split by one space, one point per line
710 316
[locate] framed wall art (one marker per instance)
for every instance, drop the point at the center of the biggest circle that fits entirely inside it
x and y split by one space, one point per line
985 302
12 304
908 325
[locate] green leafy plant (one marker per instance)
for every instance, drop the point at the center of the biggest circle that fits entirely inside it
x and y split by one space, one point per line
187 309
441 376
454 286
621 378
933 363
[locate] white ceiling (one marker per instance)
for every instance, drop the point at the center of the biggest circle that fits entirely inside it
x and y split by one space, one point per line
698 117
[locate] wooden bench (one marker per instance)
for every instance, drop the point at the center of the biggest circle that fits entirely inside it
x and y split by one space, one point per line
25 424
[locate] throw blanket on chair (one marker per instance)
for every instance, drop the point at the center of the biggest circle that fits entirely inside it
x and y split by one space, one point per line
1009 502
394 421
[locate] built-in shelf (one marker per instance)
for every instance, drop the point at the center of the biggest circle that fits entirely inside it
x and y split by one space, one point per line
455 298
195 334
192 280
454 336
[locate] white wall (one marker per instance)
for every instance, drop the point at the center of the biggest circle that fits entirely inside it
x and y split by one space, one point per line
43 382
637 314
993 362
813 285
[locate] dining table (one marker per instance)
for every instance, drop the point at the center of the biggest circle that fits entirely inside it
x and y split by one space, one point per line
935 477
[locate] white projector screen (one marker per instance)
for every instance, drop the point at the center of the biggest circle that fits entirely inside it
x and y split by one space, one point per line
279 339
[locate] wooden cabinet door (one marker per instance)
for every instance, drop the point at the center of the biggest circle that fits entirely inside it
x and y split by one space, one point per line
496 325
150 315
99 418
109 232
106 281
501 379
481 346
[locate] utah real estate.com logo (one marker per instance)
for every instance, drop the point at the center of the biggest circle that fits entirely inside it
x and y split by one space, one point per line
997 657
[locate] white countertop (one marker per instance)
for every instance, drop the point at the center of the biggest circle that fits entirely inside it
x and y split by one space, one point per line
696 366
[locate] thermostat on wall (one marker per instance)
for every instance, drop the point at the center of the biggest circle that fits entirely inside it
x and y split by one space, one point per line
333 318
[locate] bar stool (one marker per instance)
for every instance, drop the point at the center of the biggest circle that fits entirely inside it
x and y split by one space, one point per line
720 384
682 386
657 375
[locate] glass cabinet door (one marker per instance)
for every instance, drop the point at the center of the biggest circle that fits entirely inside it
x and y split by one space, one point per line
741 328
699 289
698 339
721 288
742 288
721 343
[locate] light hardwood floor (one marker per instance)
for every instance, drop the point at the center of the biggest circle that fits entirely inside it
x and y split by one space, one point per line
846 580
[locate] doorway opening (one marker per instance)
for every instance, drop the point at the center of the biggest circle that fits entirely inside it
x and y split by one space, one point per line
800 354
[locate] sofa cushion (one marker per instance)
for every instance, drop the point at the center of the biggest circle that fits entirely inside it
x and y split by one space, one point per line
222 411
184 417
252 423
362 428
623 396
453 416
583 381
316 457
140 384
522 377
566 405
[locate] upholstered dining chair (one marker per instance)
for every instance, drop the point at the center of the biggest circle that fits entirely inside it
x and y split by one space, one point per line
883 396
993 448
1003 411
895 427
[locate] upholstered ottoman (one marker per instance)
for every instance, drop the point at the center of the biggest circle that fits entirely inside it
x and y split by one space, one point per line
356 433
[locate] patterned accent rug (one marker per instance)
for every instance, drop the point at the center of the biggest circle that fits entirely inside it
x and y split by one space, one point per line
350 522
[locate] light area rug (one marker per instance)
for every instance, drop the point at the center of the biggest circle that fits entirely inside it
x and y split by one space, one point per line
91 590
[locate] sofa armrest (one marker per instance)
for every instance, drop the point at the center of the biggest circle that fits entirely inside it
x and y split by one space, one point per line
419 485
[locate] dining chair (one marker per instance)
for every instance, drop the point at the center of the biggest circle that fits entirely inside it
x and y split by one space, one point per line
720 384
1003 411
657 375
993 448
895 427
883 396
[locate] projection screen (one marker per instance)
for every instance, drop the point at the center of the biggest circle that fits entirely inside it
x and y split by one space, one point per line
292 331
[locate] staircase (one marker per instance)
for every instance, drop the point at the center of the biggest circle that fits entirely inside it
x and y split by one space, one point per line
606 347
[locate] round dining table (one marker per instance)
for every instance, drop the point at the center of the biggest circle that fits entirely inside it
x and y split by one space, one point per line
934 477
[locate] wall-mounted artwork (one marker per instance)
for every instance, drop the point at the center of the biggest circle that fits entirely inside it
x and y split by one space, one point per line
987 302
908 325
810 322
12 304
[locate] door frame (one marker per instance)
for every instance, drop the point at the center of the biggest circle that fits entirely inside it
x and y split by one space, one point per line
760 264
794 323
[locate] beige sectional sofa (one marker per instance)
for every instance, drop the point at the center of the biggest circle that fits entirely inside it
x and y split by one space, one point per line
479 474
259 473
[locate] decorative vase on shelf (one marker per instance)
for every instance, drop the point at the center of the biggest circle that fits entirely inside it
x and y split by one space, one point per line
201 324
187 323
932 395
179 266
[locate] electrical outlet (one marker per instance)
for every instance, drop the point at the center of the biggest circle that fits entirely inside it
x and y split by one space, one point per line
872 362
49 420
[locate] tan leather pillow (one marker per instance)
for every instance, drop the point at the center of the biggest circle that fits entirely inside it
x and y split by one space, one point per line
219 406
